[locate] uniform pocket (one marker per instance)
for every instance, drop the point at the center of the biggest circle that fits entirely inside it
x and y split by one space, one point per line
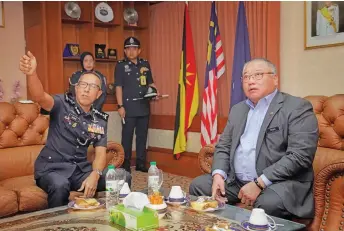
40 164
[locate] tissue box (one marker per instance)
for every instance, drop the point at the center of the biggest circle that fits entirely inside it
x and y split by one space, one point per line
134 219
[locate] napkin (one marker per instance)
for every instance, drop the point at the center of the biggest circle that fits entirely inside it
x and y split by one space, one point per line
136 200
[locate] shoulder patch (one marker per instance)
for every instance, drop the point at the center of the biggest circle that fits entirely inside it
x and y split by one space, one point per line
101 114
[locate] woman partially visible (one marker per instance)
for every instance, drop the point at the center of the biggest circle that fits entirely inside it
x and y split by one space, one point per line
87 64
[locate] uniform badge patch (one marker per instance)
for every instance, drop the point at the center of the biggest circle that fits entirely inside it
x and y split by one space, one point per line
127 68
143 69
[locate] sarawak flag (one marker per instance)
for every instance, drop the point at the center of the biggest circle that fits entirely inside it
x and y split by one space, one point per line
187 101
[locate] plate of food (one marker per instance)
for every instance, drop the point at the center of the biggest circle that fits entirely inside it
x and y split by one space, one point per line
86 203
206 204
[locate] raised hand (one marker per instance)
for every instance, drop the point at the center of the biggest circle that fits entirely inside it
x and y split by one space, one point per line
28 64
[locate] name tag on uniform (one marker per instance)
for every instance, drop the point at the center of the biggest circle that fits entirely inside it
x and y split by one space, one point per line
271 130
95 128
73 117
143 80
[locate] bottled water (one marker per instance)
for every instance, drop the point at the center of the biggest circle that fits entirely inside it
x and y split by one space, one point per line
111 187
153 178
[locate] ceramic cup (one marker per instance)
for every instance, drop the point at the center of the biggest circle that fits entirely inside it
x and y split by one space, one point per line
124 191
259 221
176 194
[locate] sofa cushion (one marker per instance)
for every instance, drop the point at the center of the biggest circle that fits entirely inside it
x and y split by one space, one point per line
30 197
19 161
8 202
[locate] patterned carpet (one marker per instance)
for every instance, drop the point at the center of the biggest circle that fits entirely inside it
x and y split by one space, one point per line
139 181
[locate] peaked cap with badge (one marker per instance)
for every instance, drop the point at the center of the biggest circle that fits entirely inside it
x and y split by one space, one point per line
132 42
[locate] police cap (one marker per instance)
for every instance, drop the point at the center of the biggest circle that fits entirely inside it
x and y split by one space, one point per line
131 42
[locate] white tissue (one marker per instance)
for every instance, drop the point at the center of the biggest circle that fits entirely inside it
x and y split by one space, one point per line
136 200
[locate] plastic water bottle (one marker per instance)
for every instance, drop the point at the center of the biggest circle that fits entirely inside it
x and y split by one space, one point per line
153 178
110 187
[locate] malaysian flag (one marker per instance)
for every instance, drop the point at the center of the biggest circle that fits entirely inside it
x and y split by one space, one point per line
214 70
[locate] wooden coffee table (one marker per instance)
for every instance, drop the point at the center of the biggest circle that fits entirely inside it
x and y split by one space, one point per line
177 218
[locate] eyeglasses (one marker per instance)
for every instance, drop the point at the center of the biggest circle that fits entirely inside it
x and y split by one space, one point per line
84 85
255 76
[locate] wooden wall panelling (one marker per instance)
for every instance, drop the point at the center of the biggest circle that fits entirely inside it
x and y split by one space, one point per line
48 34
143 36
35 38
166 122
70 34
187 165
32 14
54 47
44 44
100 36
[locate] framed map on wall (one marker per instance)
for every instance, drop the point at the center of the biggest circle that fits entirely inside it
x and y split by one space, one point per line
2 14
324 24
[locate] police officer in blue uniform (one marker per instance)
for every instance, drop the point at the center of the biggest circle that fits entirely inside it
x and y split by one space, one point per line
133 76
62 164
87 64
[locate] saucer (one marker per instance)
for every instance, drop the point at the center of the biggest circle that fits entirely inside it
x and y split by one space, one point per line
176 202
161 209
73 205
157 207
122 196
246 225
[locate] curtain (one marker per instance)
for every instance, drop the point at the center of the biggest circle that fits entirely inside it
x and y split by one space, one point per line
166 25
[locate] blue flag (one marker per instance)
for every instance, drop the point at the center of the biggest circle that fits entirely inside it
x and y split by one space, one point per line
241 56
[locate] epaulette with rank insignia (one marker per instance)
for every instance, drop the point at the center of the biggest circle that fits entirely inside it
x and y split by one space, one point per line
69 99
101 114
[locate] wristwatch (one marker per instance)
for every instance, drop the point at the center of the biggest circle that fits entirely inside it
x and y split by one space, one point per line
100 173
119 106
257 183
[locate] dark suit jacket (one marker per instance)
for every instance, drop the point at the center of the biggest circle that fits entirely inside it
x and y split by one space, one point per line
283 155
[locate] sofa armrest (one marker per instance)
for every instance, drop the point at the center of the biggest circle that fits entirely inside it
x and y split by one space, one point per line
114 154
205 158
328 190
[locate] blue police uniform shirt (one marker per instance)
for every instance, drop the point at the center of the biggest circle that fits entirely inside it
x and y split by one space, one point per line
134 80
71 131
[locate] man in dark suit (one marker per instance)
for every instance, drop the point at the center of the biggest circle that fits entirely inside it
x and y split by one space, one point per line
264 156
62 164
